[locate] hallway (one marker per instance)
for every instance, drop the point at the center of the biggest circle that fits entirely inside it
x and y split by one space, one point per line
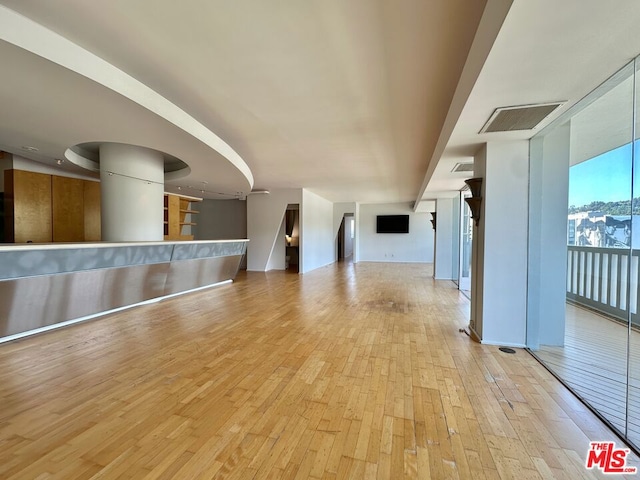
349 371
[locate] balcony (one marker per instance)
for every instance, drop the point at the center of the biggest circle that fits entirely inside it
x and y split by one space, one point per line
602 293
605 280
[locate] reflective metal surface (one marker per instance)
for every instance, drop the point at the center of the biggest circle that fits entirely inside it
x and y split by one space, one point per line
32 302
186 251
190 274
25 262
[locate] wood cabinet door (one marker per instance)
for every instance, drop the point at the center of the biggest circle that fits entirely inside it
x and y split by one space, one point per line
30 197
92 226
68 209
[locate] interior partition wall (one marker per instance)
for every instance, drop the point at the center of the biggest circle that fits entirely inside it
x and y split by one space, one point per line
584 248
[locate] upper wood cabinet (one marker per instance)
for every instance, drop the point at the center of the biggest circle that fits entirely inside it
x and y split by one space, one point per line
92 218
27 207
67 209
43 208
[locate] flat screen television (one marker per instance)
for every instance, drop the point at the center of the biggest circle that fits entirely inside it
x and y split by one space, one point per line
392 224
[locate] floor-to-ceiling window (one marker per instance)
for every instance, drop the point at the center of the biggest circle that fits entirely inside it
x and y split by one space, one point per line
584 247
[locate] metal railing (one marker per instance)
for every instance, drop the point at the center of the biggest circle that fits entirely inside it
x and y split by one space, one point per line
604 279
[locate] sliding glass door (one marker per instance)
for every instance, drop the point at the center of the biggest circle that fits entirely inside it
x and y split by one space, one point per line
584 236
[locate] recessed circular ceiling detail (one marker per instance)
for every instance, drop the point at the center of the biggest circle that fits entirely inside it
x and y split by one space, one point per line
87 155
100 86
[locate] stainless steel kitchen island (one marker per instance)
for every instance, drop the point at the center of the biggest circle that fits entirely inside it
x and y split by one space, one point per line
47 285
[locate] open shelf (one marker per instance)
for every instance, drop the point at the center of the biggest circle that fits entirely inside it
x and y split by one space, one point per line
176 209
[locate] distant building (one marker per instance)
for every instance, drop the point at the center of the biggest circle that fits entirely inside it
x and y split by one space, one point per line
596 229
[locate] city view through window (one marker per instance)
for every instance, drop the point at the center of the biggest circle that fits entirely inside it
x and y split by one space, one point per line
601 213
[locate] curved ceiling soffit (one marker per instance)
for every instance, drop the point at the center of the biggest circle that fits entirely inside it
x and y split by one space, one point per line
33 37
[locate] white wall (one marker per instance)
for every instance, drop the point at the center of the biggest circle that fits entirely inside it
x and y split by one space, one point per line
21 163
550 156
277 259
317 238
415 246
501 262
356 243
455 238
264 219
446 239
17 162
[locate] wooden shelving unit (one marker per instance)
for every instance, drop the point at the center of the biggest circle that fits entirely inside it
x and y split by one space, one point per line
176 209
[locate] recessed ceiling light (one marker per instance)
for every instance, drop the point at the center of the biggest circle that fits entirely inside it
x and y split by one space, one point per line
29 149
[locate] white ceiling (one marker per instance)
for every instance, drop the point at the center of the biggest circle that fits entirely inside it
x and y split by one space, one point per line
365 100
346 98
547 50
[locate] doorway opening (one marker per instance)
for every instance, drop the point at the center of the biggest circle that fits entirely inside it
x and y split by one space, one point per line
292 238
345 238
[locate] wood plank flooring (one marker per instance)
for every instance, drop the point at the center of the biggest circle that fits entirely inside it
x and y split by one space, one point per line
346 372
593 362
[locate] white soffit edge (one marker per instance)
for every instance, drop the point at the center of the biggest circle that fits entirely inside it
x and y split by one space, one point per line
33 37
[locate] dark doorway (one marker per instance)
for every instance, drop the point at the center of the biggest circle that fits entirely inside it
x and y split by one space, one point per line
341 241
292 236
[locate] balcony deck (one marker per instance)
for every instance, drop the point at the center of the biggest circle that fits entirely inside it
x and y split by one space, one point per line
593 362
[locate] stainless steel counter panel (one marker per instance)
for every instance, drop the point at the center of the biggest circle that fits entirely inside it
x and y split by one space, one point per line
186 251
33 302
25 262
43 299
190 274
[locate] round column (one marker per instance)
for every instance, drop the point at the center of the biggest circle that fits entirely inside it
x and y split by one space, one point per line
132 193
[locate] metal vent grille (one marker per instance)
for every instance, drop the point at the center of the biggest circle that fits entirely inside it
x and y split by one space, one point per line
463 167
524 117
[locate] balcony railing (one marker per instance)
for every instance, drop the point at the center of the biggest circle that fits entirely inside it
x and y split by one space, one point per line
604 279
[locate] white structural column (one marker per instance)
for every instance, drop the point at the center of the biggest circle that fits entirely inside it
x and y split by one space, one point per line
499 262
549 186
446 242
132 191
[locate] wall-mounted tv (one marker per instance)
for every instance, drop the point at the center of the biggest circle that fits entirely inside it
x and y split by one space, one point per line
392 224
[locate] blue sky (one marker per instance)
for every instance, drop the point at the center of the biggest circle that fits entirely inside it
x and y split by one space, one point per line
606 177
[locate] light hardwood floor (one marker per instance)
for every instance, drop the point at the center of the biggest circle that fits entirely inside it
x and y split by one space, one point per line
345 372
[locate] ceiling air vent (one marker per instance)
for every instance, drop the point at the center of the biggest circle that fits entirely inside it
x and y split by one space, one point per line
466 167
523 117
